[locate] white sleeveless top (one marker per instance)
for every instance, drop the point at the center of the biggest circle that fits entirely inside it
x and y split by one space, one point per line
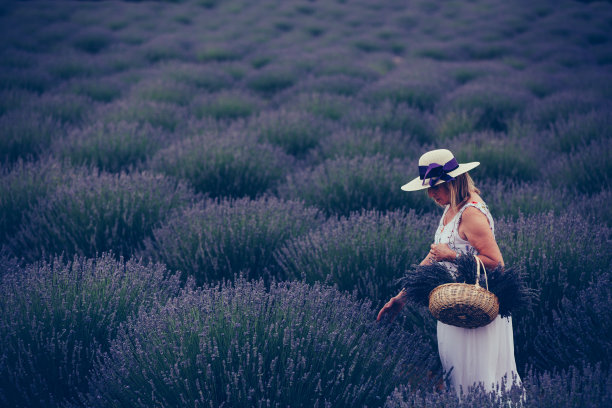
482 355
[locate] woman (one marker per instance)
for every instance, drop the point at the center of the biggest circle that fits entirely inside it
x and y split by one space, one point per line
485 354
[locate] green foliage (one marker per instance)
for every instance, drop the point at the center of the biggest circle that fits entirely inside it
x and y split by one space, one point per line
226 105
326 106
401 118
272 79
501 157
453 123
92 41
493 104
512 199
342 185
224 164
588 169
365 253
560 106
210 77
98 213
218 53
104 89
295 132
59 317
111 147
346 142
63 107
241 345
217 240
560 256
572 133
26 183
416 93
26 134
159 115
163 91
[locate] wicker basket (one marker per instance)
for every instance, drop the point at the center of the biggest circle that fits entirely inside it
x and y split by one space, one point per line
464 305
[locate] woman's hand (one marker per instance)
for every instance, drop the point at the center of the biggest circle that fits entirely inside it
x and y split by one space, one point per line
392 307
442 252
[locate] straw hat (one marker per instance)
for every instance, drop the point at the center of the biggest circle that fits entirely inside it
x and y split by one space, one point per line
436 167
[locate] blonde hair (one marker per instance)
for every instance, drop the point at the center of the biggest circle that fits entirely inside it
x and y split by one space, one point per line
460 189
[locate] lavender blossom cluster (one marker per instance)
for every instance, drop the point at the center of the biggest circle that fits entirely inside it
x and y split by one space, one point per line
257 150
241 344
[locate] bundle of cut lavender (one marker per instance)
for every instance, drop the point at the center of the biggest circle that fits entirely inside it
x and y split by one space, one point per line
506 283
419 281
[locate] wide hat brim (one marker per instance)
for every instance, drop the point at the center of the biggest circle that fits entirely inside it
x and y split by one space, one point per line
417 183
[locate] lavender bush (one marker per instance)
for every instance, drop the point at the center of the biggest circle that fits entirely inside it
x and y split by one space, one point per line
511 199
160 115
334 84
578 130
226 105
391 118
272 79
71 66
224 164
501 157
24 184
560 255
561 105
93 41
347 142
578 331
588 387
27 135
163 91
59 317
586 169
165 47
63 107
105 89
217 240
28 79
207 78
239 345
97 213
526 89
365 253
295 132
417 88
494 103
111 147
455 123
595 208
326 106
343 185
13 99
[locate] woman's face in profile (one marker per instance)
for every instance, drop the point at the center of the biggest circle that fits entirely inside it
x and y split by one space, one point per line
439 194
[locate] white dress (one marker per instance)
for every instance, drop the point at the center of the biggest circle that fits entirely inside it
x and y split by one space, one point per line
484 354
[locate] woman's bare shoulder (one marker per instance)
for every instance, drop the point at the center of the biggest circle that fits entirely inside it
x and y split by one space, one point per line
473 221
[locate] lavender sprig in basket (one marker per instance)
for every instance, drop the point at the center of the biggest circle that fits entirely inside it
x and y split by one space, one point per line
506 283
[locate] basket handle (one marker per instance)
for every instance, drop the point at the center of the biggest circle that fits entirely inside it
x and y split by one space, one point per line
478 263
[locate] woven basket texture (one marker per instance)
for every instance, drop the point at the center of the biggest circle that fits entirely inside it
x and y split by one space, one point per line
463 305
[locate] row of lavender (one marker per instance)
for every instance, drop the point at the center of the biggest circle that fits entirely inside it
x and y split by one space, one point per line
102 332
196 136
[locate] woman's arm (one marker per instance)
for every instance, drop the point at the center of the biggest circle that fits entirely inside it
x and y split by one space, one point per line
428 259
474 228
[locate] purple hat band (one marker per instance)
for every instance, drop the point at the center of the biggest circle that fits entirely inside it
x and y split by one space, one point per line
437 172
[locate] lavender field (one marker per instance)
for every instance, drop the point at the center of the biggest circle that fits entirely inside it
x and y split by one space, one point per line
200 200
